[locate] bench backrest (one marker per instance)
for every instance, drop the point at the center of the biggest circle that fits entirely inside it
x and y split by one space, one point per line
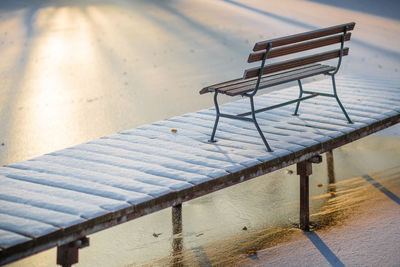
299 43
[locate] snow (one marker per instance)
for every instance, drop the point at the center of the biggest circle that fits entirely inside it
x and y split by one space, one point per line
8 239
11 192
55 218
23 226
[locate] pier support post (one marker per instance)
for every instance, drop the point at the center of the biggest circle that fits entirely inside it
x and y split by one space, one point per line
177 219
177 240
331 171
330 164
68 254
304 169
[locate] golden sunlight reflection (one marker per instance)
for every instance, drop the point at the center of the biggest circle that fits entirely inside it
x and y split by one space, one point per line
57 57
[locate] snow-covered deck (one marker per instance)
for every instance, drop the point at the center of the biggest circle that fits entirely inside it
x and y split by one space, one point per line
56 198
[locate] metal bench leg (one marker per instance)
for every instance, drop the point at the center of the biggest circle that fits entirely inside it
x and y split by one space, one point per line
216 118
337 99
253 114
300 95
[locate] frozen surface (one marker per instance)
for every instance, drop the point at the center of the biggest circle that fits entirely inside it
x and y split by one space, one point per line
69 186
369 238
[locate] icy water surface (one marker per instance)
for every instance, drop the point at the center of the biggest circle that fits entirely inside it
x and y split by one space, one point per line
73 71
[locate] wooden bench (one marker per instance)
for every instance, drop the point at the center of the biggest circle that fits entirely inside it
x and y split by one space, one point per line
295 68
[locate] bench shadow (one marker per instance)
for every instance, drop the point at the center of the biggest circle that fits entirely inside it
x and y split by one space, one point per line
383 189
324 249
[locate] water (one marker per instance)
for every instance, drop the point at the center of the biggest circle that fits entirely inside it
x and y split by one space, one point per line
73 71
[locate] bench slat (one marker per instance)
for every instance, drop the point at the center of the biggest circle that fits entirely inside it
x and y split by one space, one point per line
303 36
252 82
288 64
279 79
211 88
238 83
290 49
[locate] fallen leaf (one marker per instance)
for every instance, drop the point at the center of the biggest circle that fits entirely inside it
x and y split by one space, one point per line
156 235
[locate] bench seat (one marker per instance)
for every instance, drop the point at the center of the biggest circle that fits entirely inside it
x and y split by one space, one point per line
241 86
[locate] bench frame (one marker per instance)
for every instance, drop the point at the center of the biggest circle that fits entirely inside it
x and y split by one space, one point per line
251 95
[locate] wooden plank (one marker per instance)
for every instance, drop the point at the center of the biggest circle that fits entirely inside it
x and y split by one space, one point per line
211 87
237 83
283 79
252 81
92 190
26 227
247 130
36 182
9 239
51 217
231 140
286 130
206 152
303 36
290 49
138 145
293 63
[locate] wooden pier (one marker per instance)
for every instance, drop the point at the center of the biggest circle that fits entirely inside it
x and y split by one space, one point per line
59 198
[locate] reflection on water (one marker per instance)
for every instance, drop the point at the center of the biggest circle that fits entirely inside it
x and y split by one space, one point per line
177 238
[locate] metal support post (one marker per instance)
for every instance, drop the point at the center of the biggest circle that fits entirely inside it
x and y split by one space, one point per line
177 240
257 126
216 118
338 101
304 169
300 95
68 254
